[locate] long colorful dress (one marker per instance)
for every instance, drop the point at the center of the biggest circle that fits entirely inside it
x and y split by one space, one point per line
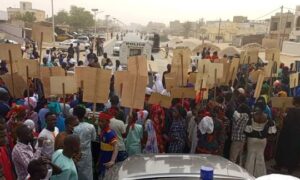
178 136
158 118
151 144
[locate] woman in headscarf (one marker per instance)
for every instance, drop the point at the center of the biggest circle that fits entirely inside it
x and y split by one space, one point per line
158 118
177 135
31 103
134 137
210 136
150 139
158 85
257 130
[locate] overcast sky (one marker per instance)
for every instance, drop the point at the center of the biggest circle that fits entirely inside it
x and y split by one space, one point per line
143 11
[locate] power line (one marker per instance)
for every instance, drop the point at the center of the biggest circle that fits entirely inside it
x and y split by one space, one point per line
268 14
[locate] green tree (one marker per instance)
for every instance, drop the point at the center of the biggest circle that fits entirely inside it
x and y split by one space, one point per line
79 18
29 17
62 17
26 17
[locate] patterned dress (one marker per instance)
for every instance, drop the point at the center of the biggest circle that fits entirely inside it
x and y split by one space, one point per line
158 118
178 136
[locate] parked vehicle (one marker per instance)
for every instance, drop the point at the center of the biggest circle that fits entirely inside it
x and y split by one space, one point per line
63 37
181 166
83 39
66 44
116 48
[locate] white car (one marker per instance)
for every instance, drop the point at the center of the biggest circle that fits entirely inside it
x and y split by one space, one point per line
116 49
66 44
83 39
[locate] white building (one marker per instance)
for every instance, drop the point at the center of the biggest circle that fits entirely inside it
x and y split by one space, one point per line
26 7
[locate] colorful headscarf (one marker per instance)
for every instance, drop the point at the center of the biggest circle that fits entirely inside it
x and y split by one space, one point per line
16 112
104 116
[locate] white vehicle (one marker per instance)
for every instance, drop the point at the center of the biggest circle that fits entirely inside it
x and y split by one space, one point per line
134 48
83 39
66 44
116 49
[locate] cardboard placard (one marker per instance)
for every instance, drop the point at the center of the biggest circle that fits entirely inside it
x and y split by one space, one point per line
170 81
219 69
226 67
253 76
268 69
192 78
250 55
201 82
53 71
33 68
19 84
282 102
56 85
120 78
133 93
234 65
16 52
37 29
259 84
294 80
203 66
96 89
80 76
183 93
14 69
157 98
46 86
180 65
272 54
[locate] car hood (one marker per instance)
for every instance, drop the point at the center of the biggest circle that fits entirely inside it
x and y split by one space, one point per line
164 165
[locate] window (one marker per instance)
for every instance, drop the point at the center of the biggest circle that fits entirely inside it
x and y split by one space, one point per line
288 24
135 52
274 26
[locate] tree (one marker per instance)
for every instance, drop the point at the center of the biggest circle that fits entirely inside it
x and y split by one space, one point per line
187 26
62 17
26 17
79 18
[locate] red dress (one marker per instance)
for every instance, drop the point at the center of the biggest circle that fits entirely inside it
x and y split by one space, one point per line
6 164
158 118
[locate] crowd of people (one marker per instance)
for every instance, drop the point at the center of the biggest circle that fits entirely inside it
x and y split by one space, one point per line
44 138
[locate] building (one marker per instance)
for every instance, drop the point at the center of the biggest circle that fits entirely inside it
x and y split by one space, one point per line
240 19
240 41
26 7
295 34
176 28
284 29
292 46
155 27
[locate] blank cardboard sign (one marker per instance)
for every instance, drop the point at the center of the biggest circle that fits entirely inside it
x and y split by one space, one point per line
15 49
253 76
183 93
180 63
294 80
37 29
259 84
19 84
192 78
170 81
53 71
96 89
250 55
282 102
233 70
133 93
56 85
157 98
268 69
46 86
120 77
80 75
33 68
201 81
272 54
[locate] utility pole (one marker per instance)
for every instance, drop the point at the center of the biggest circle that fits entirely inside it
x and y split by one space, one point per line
53 26
219 31
279 29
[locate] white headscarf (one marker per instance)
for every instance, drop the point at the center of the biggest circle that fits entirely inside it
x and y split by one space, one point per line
206 125
142 116
30 124
158 85
32 102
